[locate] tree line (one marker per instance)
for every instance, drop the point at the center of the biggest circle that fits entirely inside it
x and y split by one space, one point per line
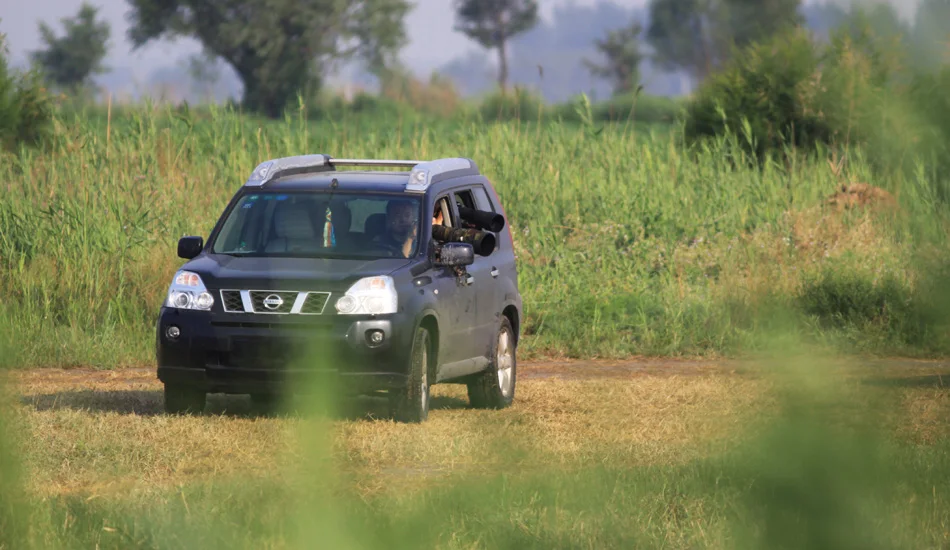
279 48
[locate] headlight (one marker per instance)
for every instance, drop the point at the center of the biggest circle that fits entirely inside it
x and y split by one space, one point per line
187 291
372 295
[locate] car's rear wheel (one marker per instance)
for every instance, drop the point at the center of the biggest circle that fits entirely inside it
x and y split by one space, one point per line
184 400
495 387
265 402
411 404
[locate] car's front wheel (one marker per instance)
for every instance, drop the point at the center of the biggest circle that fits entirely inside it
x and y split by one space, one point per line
183 399
495 388
411 404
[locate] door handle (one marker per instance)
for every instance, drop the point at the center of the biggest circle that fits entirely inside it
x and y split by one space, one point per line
494 272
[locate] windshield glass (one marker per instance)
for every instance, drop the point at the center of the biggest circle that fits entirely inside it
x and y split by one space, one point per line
337 225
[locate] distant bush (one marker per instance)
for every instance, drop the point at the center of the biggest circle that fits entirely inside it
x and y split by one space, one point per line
26 110
366 103
792 92
883 306
767 94
642 108
436 97
847 299
928 93
516 104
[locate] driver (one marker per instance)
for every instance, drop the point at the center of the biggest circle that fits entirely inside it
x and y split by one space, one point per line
401 227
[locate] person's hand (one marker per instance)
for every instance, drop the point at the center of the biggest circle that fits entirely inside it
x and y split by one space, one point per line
437 219
407 246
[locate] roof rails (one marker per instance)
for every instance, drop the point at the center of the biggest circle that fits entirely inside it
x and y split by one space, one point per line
423 174
426 173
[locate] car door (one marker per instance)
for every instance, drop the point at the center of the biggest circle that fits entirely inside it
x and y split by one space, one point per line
456 303
482 278
504 271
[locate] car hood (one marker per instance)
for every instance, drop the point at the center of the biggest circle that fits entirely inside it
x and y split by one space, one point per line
220 271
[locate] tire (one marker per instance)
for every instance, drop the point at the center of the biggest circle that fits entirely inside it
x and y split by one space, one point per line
265 403
495 387
184 400
411 404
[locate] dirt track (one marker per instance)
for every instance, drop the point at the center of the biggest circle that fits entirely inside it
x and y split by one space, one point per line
528 370
105 431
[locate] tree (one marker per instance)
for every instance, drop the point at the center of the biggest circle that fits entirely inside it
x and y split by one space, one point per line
700 35
756 20
931 37
71 60
823 18
875 35
492 23
621 48
203 71
278 48
688 34
25 106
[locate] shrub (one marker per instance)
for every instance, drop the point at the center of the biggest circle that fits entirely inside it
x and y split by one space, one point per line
643 108
844 299
791 92
437 97
928 93
766 94
518 104
366 103
26 109
862 306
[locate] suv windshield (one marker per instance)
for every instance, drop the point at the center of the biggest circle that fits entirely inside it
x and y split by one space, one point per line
310 224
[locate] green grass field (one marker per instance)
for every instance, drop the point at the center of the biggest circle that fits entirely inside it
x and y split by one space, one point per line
626 244
797 452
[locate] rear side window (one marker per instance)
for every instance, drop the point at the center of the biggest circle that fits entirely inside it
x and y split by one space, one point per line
481 199
464 198
476 198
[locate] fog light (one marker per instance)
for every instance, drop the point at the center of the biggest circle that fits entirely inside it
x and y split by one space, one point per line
172 332
375 337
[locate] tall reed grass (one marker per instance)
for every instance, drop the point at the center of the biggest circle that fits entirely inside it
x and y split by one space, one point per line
627 243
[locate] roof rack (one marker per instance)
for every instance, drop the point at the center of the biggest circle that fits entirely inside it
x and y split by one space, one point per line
375 162
427 173
423 174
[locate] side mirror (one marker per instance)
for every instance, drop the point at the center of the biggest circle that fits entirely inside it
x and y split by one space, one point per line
456 255
189 247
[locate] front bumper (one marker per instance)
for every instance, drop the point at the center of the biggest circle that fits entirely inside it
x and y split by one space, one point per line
247 353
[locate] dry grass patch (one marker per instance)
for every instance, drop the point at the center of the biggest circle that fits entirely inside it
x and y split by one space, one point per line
591 455
103 431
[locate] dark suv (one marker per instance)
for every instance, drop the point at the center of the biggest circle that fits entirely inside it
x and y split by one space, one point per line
400 279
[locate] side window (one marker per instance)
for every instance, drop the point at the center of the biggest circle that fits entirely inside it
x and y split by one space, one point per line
467 198
464 198
481 199
443 213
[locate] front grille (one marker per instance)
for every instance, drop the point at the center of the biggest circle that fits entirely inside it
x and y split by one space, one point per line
231 301
315 303
274 302
264 301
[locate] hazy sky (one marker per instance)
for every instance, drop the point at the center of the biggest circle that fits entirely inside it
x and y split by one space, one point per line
429 23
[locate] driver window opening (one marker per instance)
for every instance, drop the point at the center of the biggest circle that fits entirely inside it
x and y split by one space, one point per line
442 213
